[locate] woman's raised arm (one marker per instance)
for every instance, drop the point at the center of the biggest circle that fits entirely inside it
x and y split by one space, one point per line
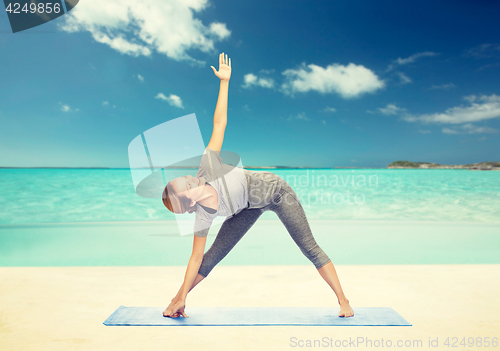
220 116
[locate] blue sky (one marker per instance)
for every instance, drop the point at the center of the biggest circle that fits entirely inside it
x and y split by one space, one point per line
314 84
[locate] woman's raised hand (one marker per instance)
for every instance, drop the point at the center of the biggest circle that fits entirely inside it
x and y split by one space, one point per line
224 72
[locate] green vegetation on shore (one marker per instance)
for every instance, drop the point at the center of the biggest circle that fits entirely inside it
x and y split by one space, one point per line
429 165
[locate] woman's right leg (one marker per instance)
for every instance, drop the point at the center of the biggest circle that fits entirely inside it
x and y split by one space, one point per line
231 231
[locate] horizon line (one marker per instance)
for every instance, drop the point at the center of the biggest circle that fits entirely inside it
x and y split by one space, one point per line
245 167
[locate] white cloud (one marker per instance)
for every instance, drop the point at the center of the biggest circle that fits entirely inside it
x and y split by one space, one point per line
137 27
329 109
67 108
424 131
404 78
105 103
173 100
404 61
141 78
267 71
220 30
347 81
324 122
468 129
486 50
480 109
391 109
414 57
251 79
121 44
443 86
301 116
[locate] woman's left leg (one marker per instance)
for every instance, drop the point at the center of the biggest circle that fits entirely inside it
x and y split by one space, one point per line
291 213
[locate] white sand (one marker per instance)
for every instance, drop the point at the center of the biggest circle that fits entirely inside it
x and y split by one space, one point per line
63 308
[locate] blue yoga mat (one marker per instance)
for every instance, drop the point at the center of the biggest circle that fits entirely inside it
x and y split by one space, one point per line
206 316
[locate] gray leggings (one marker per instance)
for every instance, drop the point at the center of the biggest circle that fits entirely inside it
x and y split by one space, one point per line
286 205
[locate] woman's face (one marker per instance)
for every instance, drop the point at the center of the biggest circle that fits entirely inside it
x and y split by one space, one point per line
189 187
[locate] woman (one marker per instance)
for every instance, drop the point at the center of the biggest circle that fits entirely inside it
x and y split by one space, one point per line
242 196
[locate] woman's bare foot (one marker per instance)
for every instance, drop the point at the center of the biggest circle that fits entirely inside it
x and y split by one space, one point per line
345 310
165 313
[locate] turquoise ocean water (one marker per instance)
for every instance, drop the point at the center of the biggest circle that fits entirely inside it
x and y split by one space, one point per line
94 195
53 213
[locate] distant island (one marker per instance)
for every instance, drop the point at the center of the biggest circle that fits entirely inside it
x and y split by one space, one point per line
482 166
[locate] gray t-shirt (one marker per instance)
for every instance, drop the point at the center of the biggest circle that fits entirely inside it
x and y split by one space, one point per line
237 189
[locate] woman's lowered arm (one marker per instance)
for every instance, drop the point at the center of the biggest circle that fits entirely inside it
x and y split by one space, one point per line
220 116
176 308
193 265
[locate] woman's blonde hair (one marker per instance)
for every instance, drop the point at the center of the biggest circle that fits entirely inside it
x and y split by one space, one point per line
172 202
